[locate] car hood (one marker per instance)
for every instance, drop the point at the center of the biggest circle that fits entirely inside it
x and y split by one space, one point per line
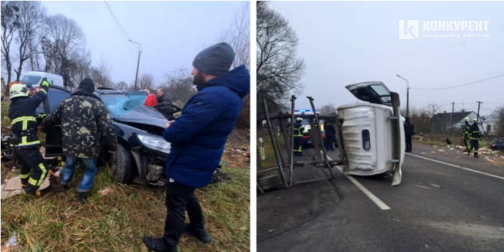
144 115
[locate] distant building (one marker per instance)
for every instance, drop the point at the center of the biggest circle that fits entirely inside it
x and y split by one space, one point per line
490 124
441 123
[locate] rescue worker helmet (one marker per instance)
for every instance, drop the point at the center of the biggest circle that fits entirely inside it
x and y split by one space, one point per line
475 120
299 119
18 90
467 119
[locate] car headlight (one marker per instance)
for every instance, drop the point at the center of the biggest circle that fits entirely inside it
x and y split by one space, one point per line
155 143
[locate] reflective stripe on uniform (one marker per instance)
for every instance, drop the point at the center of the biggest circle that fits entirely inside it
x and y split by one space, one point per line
24 143
300 149
43 90
23 176
44 171
298 133
32 182
23 119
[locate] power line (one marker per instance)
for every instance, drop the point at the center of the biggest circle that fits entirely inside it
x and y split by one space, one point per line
474 82
117 21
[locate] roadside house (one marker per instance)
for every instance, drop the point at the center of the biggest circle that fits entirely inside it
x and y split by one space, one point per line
441 124
490 124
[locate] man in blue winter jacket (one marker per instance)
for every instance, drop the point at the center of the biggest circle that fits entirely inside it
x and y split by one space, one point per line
197 140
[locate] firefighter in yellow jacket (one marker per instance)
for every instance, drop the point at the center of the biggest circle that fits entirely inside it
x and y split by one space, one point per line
298 137
24 126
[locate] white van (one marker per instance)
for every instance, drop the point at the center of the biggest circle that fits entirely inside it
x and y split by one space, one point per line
35 77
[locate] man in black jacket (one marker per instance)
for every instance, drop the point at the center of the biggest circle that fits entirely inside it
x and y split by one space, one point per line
24 126
330 136
409 130
162 96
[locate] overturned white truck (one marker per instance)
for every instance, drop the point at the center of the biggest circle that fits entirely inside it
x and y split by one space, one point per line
371 133
370 136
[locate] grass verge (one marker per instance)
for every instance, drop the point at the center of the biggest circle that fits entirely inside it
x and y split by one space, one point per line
269 153
119 220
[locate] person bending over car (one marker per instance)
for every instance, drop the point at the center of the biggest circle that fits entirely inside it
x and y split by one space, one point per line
84 120
197 140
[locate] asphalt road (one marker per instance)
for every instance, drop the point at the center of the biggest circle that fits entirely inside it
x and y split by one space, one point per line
456 205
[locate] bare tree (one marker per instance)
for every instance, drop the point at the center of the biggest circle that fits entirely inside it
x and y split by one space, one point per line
121 85
278 69
238 36
10 23
179 85
101 75
62 41
31 19
82 66
34 45
146 81
431 109
328 110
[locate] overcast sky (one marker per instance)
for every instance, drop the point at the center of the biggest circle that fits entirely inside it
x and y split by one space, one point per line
171 33
350 42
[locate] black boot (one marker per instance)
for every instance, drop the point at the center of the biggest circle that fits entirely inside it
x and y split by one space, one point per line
157 244
66 188
83 197
200 234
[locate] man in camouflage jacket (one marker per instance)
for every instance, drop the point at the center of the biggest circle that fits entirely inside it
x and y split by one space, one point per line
84 121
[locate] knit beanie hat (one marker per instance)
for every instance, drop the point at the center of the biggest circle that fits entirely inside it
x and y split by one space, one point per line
215 60
87 84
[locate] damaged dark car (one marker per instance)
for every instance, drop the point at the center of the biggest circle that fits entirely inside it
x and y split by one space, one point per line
141 151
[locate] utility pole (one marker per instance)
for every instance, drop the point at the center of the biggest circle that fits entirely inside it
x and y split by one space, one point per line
407 95
138 63
451 120
479 103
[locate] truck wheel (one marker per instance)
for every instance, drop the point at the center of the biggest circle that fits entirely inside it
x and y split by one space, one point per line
122 165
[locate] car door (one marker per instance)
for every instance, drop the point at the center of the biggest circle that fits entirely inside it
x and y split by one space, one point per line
53 134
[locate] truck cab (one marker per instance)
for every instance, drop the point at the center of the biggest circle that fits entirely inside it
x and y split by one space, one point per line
371 131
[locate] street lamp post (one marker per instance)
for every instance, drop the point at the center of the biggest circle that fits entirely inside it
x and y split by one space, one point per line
138 63
407 95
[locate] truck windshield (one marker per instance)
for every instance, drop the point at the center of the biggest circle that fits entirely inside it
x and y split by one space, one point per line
383 93
28 79
119 104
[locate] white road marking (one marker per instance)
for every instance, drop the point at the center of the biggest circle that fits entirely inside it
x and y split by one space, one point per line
364 190
424 187
457 166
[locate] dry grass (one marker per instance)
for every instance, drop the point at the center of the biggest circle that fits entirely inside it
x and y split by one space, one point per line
440 140
118 221
269 153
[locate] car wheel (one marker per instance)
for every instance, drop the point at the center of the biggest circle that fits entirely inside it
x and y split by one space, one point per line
122 165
